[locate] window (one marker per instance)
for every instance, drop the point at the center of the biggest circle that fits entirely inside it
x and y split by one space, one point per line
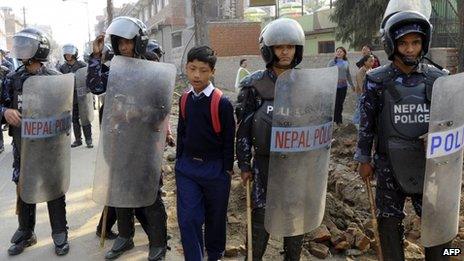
326 47
176 39
158 5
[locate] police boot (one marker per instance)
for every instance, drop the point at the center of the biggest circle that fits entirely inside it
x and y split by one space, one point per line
76 143
61 243
21 239
120 246
391 233
259 237
88 135
436 253
292 248
157 253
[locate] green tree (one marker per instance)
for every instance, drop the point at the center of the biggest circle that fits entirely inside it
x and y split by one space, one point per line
358 20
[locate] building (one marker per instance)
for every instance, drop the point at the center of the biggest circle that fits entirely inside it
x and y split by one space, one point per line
11 25
2 31
171 22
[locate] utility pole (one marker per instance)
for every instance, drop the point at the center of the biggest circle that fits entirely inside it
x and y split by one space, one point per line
24 17
109 11
200 12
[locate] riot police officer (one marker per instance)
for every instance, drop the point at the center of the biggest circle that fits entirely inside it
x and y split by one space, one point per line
281 50
129 38
399 154
71 65
32 47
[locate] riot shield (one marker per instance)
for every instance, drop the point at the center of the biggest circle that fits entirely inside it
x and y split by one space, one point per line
443 175
45 140
422 6
137 104
300 149
84 97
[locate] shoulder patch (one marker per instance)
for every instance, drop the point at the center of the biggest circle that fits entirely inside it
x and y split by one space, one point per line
381 74
249 80
432 71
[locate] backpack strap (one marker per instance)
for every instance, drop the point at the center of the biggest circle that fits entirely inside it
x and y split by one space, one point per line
214 108
183 102
215 99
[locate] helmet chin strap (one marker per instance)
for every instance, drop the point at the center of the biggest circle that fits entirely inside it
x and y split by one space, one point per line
284 67
410 62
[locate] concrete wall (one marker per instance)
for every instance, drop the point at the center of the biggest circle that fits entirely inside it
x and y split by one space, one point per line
226 67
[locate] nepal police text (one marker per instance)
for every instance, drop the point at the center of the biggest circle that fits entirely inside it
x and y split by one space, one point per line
45 128
411 113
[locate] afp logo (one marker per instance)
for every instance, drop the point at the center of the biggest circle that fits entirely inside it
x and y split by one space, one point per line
451 251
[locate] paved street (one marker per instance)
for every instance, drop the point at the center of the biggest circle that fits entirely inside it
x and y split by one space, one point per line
82 214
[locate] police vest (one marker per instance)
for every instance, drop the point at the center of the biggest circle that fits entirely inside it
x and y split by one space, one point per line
262 118
403 119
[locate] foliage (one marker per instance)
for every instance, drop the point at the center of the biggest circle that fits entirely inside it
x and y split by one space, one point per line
358 20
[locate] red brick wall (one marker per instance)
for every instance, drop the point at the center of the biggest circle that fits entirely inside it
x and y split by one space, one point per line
234 38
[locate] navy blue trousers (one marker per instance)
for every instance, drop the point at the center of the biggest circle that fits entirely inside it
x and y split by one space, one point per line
202 197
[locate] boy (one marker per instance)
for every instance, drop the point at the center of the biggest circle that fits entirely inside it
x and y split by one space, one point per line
205 156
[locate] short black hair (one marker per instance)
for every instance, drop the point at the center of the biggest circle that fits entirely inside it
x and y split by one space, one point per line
203 54
242 61
368 46
365 58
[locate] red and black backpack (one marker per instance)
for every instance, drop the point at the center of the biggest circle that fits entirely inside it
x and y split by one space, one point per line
214 108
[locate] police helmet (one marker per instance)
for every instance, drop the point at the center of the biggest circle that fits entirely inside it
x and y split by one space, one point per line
283 31
154 51
402 23
70 49
31 43
128 28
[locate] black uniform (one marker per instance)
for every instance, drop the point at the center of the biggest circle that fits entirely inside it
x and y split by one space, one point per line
11 99
67 68
254 117
152 218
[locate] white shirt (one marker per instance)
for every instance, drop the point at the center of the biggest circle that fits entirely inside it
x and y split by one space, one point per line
207 91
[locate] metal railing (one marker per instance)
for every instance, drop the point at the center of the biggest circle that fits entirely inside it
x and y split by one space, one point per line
445 21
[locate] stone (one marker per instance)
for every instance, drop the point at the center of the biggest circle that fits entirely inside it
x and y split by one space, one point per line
353 252
363 243
413 252
337 238
171 157
318 250
167 169
342 246
232 251
320 234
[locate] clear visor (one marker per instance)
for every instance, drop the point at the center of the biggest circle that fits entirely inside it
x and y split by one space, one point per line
69 49
124 28
283 31
24 46
421 6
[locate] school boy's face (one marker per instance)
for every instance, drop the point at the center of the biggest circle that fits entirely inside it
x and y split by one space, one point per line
126 47
410 45
199 73
285 53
